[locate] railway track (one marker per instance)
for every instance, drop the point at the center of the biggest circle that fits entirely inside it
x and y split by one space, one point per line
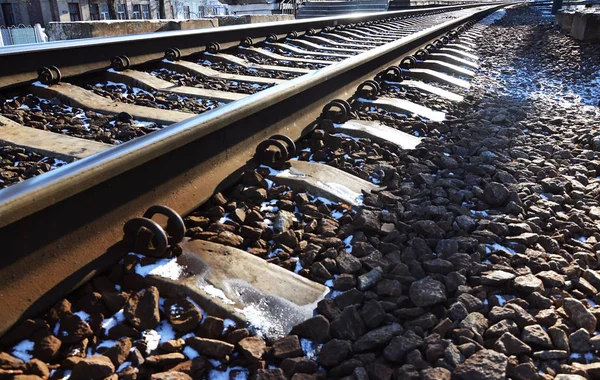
178 122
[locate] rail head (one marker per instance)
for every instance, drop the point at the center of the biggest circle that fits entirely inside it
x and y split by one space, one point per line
75 57
35 194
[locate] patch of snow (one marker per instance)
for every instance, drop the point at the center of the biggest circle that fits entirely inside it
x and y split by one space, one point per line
166 268
23 350
240 374
227 323
152 340
501 300
336 214
190 352
582 239
123 366
83 315
212 291
348 243
107 343
39 84
298 266
310 348
498 247
166 331
111 322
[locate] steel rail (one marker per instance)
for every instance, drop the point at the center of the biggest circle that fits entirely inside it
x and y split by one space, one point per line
76 213
19 64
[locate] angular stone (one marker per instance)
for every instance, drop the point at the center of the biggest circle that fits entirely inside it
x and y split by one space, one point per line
475 322
252 348
509 344
376 338
210 347
334 352
483 365
142 310
347 263
119 352
579 341
401 345
287 347
579 314
496 277
528 284
92 368
165 360
348 325
495 194
315 328
536 336
427 292
182 314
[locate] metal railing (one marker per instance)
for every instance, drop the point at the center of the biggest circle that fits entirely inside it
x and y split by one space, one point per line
21 34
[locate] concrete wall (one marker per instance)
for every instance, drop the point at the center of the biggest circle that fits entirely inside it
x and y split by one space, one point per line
252 19
583 25
58 31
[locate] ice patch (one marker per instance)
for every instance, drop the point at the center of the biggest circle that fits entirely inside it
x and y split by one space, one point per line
240 374
111 322
165 330
498 247
501 300
298 266
214 292
479 213
190 352
123 366
345 193
337 214
83 315
329 283
39 84
310 348
166 268
227 323
23 350
582 239
107 343
348 243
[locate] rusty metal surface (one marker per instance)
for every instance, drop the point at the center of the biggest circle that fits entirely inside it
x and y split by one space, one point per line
75 215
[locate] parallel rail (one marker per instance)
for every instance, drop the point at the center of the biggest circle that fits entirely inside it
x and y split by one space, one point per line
20 65
59 229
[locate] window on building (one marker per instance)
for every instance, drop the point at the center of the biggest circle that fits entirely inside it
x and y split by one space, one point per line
137 12
104 14
9 16
121 12
186 11
146 11
74 11
94 12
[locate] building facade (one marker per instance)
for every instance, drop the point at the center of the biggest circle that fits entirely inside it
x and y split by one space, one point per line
30 12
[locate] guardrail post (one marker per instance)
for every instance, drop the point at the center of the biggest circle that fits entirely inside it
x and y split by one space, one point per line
1 40
556 5
39 33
